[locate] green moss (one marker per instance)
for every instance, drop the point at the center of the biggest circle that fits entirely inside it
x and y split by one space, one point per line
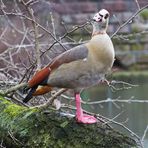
36 129
135 28
137 46
13 110
144 14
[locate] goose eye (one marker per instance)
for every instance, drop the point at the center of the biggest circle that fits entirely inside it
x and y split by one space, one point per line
106 16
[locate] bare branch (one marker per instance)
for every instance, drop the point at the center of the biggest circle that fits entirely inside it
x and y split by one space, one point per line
144 134
138 6
15 140
127 129
12 89
36 40
51 99
53 24
1 144
128 20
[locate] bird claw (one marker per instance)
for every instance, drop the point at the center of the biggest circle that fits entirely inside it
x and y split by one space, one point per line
86 119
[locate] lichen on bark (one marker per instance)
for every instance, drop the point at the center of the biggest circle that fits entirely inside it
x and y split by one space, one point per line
27 127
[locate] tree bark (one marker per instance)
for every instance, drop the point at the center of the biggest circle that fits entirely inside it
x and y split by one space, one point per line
26 127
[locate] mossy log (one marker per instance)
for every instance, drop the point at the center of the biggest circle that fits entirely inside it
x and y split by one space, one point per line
26 127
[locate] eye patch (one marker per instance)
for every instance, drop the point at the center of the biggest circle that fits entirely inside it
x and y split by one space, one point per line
101 15
106 16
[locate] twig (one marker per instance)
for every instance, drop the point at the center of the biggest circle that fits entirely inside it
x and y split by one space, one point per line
127 36
74 29
17 101
13 138
3 33
51 99
12 89
36 39
57 41
1 144
35 26
53 25
108 100
29 2
128 20
144 134
136 1
127 129
24 36
125 85
116 100
115 117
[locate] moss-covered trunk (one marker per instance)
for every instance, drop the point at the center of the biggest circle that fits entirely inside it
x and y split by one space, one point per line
24 127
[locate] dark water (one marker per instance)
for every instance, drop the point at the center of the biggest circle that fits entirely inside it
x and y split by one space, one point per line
135 114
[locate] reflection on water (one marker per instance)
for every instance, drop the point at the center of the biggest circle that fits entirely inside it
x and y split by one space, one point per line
136 113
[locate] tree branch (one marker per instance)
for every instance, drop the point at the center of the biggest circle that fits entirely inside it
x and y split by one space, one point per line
51 99
129 20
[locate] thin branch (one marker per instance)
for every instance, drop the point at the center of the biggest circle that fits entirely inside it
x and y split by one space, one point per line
57 41
12 89
129 20
115 117
144 134
53 24
127 129
14 99
36 40
24 36
136 1
125 85
108 100
116 100
75 28
135 34
51 99
15 140
3 33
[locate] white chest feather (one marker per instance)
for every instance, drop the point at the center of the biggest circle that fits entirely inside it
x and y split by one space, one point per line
101 50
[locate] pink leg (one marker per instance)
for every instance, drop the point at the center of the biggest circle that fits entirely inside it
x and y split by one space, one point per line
80 116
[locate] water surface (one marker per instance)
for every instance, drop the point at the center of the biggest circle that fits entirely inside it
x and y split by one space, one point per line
135 115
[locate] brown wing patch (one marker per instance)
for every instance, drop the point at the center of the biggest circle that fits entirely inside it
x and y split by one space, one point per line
41 90
39 77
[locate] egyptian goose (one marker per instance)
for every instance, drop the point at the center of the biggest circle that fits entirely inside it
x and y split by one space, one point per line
80 67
